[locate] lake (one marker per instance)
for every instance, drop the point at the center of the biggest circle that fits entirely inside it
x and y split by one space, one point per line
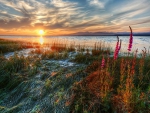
138 41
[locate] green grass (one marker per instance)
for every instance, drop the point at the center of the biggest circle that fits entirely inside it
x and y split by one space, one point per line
122 85
16 69
11 46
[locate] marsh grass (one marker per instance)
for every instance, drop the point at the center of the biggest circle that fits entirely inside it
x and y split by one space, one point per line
60 47
83 54
11 46
16 69
100 48
8 46
97 84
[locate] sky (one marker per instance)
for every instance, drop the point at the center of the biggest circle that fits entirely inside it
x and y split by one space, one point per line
62 17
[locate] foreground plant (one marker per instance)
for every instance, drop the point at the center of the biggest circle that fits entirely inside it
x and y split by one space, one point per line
16 69
130 40
117 49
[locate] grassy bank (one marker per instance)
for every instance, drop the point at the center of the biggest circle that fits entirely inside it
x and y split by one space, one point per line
11 45
69 78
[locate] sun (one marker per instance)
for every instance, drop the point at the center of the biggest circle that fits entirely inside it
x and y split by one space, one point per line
41 32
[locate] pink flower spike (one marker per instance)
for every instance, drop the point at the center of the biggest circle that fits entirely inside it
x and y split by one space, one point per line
117 49
130 40
103 63
119 46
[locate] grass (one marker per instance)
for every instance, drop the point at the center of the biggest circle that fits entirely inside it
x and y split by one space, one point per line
119 85
16 69
11 46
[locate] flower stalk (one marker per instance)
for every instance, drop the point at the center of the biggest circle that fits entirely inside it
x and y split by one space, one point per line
118 47
103 63
130 40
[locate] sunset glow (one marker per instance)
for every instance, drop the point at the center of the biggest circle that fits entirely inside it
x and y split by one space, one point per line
67 17
41 32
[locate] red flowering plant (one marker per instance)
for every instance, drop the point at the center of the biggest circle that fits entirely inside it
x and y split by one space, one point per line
117 49
130 40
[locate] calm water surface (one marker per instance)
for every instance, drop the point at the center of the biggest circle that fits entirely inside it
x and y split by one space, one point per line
138 41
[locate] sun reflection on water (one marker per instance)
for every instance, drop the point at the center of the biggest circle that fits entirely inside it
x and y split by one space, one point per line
41 40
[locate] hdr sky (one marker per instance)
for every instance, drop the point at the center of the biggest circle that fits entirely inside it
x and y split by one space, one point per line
59 17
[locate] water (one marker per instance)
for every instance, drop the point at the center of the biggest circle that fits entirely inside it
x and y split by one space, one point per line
139 42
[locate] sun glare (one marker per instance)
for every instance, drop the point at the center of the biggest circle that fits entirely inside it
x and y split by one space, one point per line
41 32
41 40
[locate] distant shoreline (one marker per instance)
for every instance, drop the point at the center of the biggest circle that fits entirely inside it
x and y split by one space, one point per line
78 35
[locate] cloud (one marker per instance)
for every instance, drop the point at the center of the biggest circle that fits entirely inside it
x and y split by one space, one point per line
66 15
130 13
53 14
99 3
23 23
4 14
61 3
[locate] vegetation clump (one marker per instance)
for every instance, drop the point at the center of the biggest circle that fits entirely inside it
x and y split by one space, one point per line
11 70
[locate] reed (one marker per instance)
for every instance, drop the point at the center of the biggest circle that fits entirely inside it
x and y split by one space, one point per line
11 46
